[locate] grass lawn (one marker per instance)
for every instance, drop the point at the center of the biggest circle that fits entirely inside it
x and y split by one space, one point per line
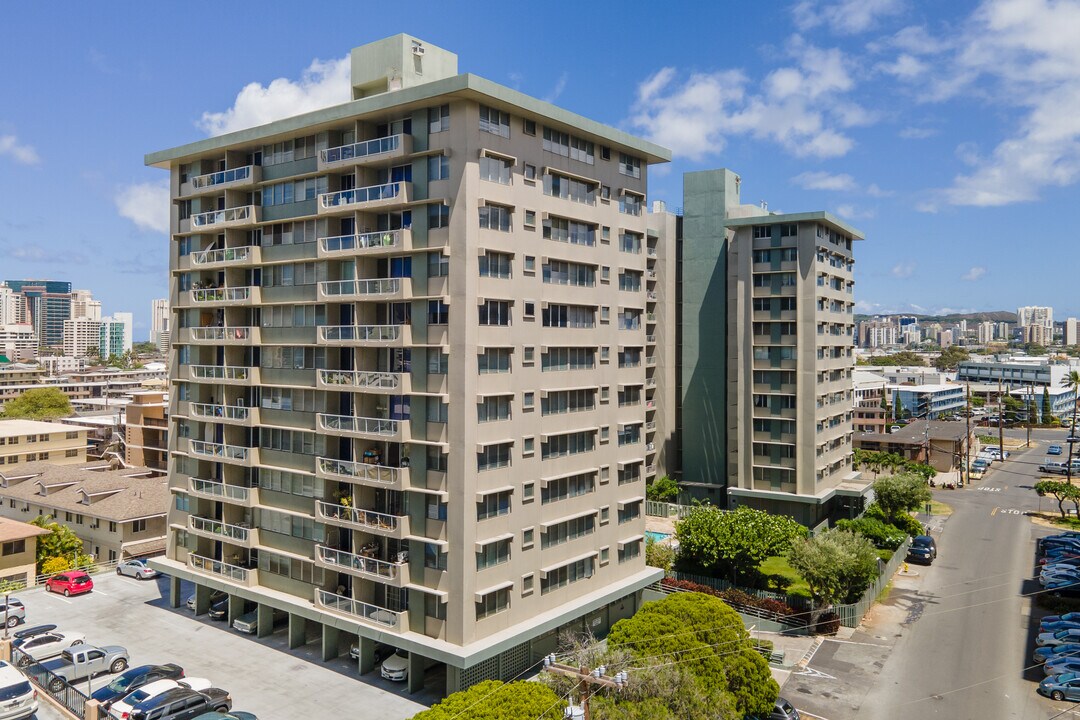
939 508
778 565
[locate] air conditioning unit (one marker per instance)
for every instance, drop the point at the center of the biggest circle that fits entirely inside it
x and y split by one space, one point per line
417 49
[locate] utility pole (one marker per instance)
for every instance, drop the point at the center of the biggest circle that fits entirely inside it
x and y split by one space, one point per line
587 679
1001 422
967 438
1030 407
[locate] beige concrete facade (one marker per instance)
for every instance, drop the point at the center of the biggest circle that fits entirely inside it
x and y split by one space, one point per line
25 441
661 341
413 405
18 551
147 430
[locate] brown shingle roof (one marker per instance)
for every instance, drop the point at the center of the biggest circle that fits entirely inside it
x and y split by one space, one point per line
15 530
116 495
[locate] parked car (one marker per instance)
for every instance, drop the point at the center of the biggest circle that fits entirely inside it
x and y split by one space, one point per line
1069 562
137 569
121 709
18 698
1058 577
1054 467
232 715
40 646
784 710
1053 450
1071 616
396 667
1049 653
1059 666
1058 556
214 597
14 610
219 610
249 622
922 550
1056 625
182 704
1063 588
1058 638
1061 687
1073 439
71 582
382 652
85 661
133 679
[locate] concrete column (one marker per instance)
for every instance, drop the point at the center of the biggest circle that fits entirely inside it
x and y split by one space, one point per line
92 711
367 655
202 599
266 621
236 608
297 630
416 673
174 592
330 639
5 649
453 679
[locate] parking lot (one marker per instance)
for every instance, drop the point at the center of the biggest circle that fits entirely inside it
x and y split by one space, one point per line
263 676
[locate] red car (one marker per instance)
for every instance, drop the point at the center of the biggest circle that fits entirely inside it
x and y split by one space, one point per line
70 583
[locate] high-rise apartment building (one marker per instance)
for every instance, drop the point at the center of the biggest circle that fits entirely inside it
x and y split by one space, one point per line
1035 315
80 335
767 357
159 319
12 310
1071 337
114 334
985 332
413 342
47 305
83 305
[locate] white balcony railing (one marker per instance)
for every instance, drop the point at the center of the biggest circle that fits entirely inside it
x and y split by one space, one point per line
221 255
367 148
220 372
235 533
360 333
359 425
232 493
219 450
364 472
364 379
355 608
359 196
377 286
221 178
365 241
217 567
359 564
218 295
220 334
357 517
238 413
245 213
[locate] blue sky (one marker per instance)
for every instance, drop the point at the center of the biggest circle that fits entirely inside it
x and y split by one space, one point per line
948 132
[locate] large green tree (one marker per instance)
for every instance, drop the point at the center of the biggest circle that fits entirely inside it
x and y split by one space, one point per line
902 493
494 700
904 357
838 565
61 542
1062 491
1047 407
1072 381
950 357
733 543
46 403
663 489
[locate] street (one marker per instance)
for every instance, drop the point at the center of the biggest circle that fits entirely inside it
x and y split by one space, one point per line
954 639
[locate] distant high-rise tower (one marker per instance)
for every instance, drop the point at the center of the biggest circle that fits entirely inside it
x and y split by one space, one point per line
159 319
1070 332
83 305
48 305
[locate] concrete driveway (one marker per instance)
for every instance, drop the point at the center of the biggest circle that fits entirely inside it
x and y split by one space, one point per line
263 675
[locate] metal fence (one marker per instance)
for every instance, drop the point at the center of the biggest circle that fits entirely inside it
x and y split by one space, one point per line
15 586
851 615
666 509
53 685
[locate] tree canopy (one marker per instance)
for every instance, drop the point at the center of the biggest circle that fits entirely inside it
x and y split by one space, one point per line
47 403
724 543
61 542
494 700
898 494
904 357
838 565
950 357
1061 491
663 489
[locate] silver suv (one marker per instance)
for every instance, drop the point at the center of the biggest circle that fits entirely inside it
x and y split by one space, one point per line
14 613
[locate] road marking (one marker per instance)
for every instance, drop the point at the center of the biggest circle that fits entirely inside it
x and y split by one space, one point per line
815 673
989 489
855 642
57 597
994 512
98 592
810 714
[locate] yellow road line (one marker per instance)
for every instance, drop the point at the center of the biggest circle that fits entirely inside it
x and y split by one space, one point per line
994 512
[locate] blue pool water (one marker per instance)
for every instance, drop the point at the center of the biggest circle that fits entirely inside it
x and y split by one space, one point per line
656 536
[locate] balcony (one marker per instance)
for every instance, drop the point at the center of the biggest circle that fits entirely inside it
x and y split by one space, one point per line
234 178
225 296
230 414
237 335
366 381
650 426
218 530
650 470
650 382
366 335
650 339
651 252
376 289
232 573
650 274
650 360
366 152
356 610
223 257
363 473
223 492
235 454
650 318
373 196
224 374
366 428
651 295
232 217
375 243
377 523
362 566
650 447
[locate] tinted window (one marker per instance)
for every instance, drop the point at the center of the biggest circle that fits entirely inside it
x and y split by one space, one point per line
82 580
13 691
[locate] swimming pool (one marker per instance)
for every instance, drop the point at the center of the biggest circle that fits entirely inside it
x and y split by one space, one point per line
656 536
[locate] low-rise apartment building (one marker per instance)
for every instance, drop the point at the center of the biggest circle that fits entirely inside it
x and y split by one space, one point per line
944 445
147 430
18 551
916 401
28 441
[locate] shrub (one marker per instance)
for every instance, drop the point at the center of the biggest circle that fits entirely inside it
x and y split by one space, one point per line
908 524
55 565
828 624
736 598
882 534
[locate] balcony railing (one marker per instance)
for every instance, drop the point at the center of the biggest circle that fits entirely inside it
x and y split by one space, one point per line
232 493
651 295
237 413
361 196
232 533
243 214
349 244
363 472
650 470
650 426
217 567
356 609
373 288
358 564
221 372
357 517
221 178
221 295
220 450
365 149
221 256
650 360
359 425
220 334
361 379
361 333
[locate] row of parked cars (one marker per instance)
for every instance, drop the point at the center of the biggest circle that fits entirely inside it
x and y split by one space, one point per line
1058 640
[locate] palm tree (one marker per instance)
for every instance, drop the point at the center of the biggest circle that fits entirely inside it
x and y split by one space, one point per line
1072 381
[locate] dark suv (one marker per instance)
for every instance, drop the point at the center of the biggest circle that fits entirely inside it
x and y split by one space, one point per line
922 550
182 704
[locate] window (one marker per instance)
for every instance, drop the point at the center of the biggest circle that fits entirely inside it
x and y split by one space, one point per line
493 505
434 557
438 312
605 192
557 272
292 358
294 441
495 264
434 607
630 204
439 119
568 444
629 551
530 218
630 243
568 358
569 530
438 362
296 191
495 217
570 189
568 487
492 554
529 171
71 435
629 165
530 310
438 265
527 536
528 127
438 167
495 312
290 483
630 511
569 231
494 121
437 411
529 264
558 402
494 360
528 447
137 526
630 281
570 316
438 216
567 574
183 503
71 453
528 400
493 456
492 409
569 146
434 508
297 526
495 169
492 603
15 547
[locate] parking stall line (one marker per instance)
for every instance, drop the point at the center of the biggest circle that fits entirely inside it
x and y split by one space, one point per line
56 597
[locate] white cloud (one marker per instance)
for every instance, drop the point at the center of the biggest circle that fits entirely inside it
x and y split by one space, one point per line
19 152
903 270
974 273
926 206
851 212
145 204
321 84
905 66
802 107
556 91
968 153
825 181
845 17
874 191
917 133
